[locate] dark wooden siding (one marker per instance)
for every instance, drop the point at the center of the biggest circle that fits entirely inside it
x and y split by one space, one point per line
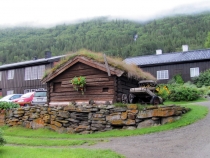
179 68
18 84
99 87
123 86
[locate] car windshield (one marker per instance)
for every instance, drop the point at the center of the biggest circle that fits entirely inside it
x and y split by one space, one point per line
40 94
27 95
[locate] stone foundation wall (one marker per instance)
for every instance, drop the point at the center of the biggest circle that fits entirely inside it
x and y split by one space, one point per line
2 117
89 118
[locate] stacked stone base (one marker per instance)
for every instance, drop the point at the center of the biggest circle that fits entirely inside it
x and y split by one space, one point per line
89 118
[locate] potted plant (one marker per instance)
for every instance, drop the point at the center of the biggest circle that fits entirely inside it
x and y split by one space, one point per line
79 83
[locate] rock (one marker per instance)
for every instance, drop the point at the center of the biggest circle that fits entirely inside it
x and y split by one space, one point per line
133 111
113 117
99 122
161 112
169 119
124 115
57 124
38 123
69 108
129 122
110 107
131 116
81 128
98 115
145 114
132 107
147 123
117 122
64 114
34 115
70 130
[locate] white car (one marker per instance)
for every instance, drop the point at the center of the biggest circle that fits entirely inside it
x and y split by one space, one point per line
40 97
10 97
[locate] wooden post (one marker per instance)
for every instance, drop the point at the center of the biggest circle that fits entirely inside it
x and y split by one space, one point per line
107 66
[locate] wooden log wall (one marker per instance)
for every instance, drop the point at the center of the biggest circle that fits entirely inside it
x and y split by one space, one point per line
99 86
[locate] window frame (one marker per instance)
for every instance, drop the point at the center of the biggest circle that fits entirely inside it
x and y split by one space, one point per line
10 74
194 72
162 74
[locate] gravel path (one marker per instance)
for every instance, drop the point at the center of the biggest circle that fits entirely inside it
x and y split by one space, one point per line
191 141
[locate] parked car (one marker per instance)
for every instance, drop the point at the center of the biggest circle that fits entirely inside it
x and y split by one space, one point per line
40 97
25 99
10 97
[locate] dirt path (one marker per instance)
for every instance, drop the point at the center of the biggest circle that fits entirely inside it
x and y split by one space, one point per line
192 141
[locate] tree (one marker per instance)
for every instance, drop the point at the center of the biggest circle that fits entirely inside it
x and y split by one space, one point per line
207 43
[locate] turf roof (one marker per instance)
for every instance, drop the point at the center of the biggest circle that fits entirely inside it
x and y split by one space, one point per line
131 70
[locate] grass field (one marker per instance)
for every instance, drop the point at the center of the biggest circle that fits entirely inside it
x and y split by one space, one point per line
23 142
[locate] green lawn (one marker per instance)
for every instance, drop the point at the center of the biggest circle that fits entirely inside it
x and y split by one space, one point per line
32 141
28 152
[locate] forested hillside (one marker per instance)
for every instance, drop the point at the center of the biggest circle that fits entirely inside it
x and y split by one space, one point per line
117 37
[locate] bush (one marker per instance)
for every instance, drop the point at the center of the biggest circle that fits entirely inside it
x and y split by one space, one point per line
163 91
8 105
203 79
2 140
176 79
184 93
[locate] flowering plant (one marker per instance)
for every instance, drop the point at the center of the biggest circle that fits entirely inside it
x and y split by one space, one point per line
79 83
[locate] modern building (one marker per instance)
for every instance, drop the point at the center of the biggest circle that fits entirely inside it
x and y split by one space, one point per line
23 77
188 63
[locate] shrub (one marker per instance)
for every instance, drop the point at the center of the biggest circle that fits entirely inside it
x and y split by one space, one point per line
2 140
203 79
184 93
163 91
176 79
8 105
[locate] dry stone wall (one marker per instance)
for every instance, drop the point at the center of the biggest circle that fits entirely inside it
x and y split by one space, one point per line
89 118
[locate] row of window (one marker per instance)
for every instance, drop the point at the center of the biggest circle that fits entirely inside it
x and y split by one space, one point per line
25 91
164 74
31 73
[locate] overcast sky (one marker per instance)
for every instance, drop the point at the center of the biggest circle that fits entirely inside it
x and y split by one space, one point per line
47 13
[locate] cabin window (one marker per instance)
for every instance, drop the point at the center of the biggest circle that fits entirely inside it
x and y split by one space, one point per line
162 75
194 72
10 92
34 72
105 89
0 75
10 74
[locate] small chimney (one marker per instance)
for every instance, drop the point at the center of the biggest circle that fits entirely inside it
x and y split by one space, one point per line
47 54
158 51
184 48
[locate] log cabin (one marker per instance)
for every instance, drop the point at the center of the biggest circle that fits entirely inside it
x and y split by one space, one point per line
107 79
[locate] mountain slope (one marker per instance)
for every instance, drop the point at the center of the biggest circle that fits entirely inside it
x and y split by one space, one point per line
114 37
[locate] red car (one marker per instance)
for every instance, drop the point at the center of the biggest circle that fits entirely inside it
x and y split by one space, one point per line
25 99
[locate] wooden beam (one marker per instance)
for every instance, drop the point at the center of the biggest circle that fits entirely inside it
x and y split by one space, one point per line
107 66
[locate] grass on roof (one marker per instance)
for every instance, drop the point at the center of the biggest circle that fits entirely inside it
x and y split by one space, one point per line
132 71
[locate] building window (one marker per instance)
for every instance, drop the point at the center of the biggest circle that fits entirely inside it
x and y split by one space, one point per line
162 75
194 72
27 73
41 70
0 75
34 72
10 92
10 74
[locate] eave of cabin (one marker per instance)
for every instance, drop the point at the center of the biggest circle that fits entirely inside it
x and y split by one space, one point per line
84 60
